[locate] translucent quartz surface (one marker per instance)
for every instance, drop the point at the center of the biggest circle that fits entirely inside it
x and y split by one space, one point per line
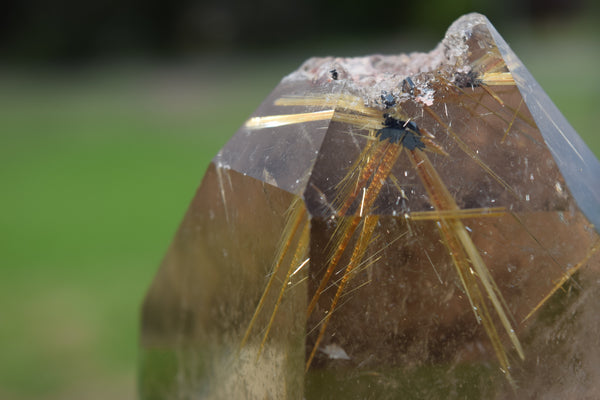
419 226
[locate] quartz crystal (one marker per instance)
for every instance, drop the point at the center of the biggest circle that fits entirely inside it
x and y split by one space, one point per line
418 226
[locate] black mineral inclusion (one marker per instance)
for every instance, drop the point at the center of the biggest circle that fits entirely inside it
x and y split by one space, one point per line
406 133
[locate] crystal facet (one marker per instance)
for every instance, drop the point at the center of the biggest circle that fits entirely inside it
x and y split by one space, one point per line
414 226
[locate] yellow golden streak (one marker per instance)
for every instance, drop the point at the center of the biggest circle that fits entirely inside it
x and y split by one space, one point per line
348 185
497 78
341 244
274 121
455 232
349 292
535 239
426 133
220 178
468 280
365 167
338 101
493 94
297 215
489 63
565 278
508 128
462 250
375 256
299 254
348 189
474 295
522 117
433 147
359 121
488 283
369 223
457 214
387 161
463 146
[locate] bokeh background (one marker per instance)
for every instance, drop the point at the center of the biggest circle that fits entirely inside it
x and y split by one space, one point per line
111 111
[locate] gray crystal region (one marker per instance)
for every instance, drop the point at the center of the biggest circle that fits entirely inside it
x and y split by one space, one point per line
419 226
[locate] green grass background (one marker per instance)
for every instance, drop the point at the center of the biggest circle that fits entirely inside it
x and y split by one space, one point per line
99 164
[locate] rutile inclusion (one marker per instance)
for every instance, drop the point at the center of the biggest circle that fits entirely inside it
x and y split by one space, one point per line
415 226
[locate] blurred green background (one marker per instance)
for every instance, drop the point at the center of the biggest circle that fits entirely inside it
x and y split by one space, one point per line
109 115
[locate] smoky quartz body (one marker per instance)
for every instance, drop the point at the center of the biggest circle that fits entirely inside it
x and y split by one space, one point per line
453 255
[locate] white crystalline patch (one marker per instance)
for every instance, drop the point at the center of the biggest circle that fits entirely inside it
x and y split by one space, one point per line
335 352
426 97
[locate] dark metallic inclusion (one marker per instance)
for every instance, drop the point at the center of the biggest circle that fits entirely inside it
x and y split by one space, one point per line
414 226
406 133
